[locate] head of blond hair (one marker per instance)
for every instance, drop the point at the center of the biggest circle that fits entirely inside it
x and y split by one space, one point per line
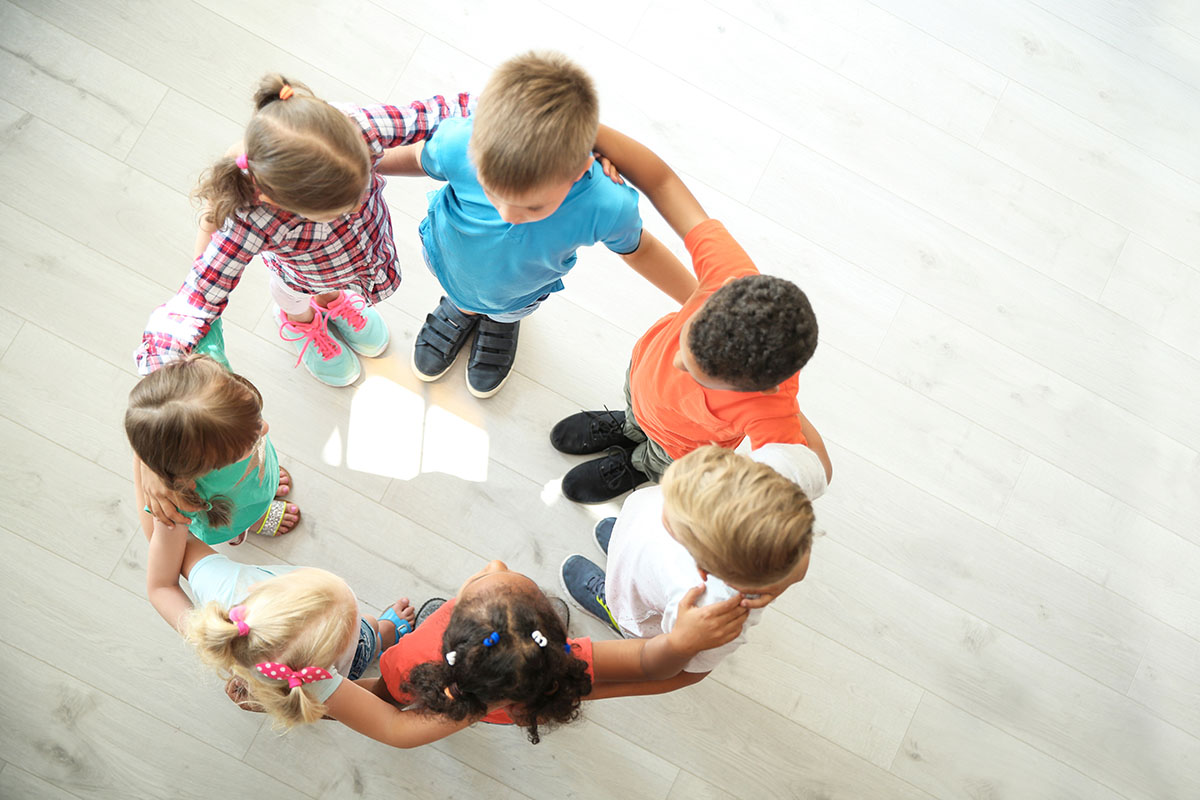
301 619
741 520
535 123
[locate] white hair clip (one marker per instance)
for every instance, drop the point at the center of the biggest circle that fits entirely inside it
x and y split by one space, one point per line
539 638
453 654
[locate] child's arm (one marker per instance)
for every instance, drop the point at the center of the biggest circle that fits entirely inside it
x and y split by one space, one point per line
817 445
657 181
360 709
654 262
605 689
404 161
665 655
163 567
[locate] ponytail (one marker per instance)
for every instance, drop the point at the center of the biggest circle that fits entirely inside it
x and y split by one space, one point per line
224 189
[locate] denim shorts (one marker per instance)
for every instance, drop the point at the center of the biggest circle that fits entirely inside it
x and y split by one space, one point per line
367 650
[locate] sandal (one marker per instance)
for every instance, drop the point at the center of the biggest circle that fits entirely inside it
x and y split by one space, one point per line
403 626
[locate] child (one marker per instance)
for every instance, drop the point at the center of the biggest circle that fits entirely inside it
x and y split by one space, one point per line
291 641
741 525
500 641
522 195
302 189
722 368
198 429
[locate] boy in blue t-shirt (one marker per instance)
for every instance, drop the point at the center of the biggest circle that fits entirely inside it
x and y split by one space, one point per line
522 194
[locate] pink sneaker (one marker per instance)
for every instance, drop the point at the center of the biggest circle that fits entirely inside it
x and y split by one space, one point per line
326 359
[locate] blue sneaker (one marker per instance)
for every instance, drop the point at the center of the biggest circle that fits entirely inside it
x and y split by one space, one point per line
583 582
603 532
358 325
320 352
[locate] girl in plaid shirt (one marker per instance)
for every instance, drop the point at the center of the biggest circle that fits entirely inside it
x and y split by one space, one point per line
303 191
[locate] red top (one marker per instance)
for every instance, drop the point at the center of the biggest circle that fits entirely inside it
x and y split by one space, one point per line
669 405
425 644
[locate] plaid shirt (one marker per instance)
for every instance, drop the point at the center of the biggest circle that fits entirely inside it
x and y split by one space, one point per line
355 251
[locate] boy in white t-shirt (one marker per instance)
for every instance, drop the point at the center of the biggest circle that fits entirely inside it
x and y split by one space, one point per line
740 523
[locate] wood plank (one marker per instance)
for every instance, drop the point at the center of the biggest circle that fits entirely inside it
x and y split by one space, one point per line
994 676
1158 293
839 119
688 787
181 140
1168 682
74 87
9 326
1047 415
880 516
1105 173
91 745
951 753
89 522
885 55
154 670
1107 541
16 782
1071 68
978 285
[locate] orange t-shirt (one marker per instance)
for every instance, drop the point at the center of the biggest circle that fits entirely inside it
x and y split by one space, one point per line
425 644
668 404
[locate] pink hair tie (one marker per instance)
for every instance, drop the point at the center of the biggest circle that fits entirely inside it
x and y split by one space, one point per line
242 162
237 615
282 672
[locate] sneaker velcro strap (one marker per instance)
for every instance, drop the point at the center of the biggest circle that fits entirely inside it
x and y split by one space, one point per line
446 332
494 341
493 359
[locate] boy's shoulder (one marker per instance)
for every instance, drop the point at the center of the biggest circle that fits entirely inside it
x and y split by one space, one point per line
445 154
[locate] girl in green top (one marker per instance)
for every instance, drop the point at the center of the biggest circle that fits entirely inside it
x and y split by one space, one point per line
199 428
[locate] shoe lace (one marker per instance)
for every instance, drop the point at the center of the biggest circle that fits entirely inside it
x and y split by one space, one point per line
349 307
615 466
315 332
604 423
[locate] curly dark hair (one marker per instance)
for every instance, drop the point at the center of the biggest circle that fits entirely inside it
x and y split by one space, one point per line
754 333
545 684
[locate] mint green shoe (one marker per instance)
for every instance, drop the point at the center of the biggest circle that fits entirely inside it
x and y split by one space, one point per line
358 325
321 353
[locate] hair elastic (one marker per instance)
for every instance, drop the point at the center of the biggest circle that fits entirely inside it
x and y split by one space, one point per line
539 638
567 647
282 672
451 656
285 92
237 615
242 162
491 639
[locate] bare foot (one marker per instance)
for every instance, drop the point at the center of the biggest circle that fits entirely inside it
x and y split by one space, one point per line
285 483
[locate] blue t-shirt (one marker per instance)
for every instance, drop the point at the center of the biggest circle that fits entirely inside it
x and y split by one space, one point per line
488 266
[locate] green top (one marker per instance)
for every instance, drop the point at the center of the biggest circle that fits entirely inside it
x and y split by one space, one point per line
249 491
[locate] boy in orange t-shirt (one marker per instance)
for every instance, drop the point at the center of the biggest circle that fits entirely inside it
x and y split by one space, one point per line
725 366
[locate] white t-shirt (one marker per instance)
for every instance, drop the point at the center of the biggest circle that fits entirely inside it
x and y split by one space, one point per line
649 572
217 578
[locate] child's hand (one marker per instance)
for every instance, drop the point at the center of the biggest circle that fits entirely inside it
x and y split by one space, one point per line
759 601
164 504
707 627
610 169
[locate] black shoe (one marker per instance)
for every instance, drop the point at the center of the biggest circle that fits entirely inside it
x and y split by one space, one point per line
602 479
590 432
603 533
492 356
441 337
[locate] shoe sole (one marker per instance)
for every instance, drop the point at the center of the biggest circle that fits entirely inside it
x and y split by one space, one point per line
489 392
357 374
570 598
375 354
412 362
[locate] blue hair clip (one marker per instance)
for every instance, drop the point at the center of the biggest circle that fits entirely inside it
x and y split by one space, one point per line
567 647
491 639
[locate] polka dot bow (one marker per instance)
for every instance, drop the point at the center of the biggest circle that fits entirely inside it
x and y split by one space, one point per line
282 672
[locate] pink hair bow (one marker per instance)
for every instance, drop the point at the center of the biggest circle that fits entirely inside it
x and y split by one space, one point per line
282 672
242 162
237 615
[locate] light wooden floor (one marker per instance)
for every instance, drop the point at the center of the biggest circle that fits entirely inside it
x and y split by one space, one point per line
995 207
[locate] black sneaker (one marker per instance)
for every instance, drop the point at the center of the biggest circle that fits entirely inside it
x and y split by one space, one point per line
492 356
590 432
602 479
583 582
603 533
441 337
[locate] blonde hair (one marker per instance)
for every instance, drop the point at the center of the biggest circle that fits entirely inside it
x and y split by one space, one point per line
190 417
301 619
741 520
535 124
303 153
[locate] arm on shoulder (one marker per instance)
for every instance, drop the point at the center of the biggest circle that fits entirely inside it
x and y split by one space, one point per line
366 712
404 161
654 178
